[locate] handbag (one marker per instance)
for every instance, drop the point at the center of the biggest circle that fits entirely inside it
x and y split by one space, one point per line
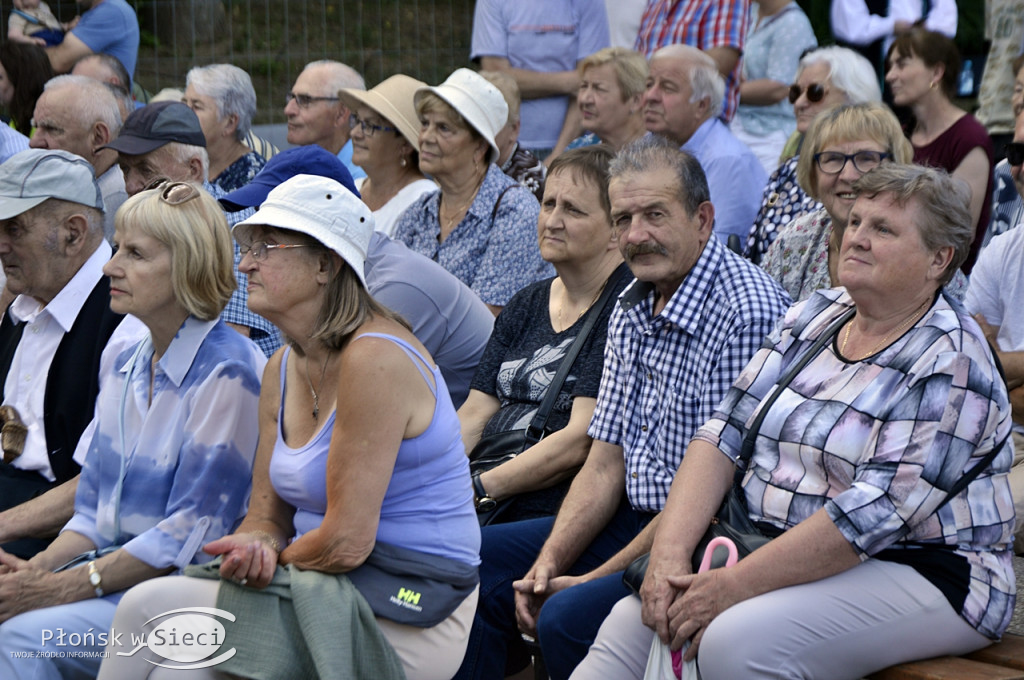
501 447
732 520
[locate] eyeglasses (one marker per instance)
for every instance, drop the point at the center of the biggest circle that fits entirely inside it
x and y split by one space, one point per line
259 249
815 92
1015 153
833 162
174 193
369 129
304 101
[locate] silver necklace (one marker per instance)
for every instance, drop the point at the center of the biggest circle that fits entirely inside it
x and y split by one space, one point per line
312 391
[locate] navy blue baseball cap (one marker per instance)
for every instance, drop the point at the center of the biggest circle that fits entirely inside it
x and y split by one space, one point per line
301 160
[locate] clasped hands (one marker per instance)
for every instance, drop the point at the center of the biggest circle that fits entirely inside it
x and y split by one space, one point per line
679 605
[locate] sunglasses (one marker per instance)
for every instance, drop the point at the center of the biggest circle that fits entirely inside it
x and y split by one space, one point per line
174 193
815 92
1015 153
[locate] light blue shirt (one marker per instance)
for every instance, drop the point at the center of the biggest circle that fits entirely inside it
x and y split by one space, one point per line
773 51
11 142
189 452
345 156
111 27
735 177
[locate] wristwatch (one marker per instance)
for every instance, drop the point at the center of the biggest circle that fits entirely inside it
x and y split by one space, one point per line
95 580
484 503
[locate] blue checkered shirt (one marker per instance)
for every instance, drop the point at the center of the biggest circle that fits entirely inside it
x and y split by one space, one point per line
664 375
261 331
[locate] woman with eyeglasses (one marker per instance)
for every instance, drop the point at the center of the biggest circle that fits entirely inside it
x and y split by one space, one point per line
780 36
839 147
360 474
169 453
923 68
385 143
826 78
481 225
224 101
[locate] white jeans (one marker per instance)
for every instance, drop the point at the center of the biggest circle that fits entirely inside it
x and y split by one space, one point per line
426 653
850 625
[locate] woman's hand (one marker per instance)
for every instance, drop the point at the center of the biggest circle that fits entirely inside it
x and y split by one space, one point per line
248 559
24 587
702 597
658 594
325 550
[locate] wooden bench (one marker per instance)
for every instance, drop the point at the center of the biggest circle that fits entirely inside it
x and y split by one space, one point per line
1002 661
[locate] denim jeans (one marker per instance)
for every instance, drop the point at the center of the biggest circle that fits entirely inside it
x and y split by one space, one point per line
568 621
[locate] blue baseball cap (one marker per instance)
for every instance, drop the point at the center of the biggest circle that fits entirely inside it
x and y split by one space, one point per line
301 160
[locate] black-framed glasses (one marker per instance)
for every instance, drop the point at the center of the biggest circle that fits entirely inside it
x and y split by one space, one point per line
815 92
369 129
1014 153
833 162
306 100
259 249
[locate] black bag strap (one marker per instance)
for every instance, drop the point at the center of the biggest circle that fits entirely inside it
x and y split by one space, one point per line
536 428
747 450
497 203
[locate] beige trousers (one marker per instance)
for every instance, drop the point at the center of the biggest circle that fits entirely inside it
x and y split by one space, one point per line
426 653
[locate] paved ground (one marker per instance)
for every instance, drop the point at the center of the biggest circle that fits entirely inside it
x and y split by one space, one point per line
1017 623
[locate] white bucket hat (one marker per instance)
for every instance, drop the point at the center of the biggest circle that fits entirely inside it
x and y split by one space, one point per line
476 100
322 208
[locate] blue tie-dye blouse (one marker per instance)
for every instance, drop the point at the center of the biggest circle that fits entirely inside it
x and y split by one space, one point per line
190 451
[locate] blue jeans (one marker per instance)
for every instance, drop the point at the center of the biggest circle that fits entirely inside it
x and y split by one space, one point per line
568 621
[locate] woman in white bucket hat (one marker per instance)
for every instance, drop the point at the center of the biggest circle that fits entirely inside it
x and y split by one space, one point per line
481 225
361 480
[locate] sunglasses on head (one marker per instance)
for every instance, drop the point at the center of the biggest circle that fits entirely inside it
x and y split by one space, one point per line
815 93
1015 153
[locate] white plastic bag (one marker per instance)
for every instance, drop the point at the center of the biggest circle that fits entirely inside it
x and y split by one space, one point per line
662 664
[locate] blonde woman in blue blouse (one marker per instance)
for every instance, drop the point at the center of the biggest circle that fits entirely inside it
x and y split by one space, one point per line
850 466
170 450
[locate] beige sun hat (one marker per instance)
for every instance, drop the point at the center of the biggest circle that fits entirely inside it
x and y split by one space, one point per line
480 103
392 99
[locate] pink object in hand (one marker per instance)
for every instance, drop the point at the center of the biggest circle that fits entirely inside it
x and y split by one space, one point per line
716 542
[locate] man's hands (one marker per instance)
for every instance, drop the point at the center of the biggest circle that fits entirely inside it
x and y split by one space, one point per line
534 589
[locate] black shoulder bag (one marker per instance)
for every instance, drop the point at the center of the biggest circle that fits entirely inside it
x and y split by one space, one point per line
732 520
501 447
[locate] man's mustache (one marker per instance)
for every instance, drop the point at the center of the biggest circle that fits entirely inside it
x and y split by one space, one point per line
634 249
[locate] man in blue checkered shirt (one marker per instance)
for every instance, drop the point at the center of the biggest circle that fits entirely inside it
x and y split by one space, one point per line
677 340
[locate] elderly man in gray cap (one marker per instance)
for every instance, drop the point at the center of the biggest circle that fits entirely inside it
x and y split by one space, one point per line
165 141
52 336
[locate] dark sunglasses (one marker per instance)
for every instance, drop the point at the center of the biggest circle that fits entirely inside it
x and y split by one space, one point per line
815 92
1015 153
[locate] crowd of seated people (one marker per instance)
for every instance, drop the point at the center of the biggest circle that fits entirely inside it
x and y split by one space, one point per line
428 289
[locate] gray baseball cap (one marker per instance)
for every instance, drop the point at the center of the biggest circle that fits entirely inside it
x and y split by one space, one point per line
154 125
30 177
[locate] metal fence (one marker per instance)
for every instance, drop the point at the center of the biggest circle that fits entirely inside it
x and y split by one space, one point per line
274 39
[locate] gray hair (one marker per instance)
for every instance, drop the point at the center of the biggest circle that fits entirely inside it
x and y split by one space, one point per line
342 75
95 102
943 202
231 88
849 72
705 80
113 66
183 153
652 152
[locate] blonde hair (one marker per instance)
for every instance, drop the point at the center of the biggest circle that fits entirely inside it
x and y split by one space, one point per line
629 65
850 123
196 233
